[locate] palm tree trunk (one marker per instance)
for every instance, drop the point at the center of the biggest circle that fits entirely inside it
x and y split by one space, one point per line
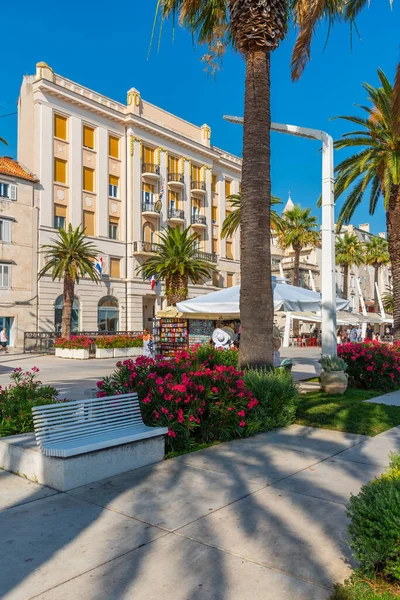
376 282
256 299
176 289
68 299
346 282
296 272
393 229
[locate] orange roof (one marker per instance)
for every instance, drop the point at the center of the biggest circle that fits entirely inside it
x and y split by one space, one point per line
11 167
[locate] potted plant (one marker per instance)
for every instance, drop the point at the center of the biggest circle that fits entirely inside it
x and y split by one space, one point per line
74 347
104 346
334 379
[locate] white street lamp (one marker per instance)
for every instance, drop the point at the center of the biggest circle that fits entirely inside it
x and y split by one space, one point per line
328 274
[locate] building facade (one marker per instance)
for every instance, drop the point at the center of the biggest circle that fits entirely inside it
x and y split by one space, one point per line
19 213
124 172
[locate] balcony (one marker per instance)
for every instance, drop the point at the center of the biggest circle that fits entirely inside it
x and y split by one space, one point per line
198 187
144 248
208 256
151 209
199 221
176 179
151 170
176 215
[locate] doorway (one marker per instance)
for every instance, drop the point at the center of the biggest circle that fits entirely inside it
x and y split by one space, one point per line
7 322
149 311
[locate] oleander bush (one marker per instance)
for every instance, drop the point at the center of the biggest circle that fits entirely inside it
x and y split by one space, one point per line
75 342
18 398
372 365
210 356
119 341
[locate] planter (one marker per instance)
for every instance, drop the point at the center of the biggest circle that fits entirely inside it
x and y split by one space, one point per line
334 382
80 354
135 351
104 352
63 353
121 352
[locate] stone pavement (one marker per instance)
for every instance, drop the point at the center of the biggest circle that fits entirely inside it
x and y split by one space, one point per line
259 518
391 399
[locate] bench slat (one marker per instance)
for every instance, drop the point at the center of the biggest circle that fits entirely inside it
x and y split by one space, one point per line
76 433
133 413
41 409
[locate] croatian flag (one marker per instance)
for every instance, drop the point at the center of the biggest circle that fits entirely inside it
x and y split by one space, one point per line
153 282
99 266
161 192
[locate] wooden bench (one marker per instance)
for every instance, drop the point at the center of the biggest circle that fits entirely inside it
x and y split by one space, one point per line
81 426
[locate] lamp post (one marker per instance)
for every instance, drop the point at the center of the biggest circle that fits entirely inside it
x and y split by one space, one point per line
328 274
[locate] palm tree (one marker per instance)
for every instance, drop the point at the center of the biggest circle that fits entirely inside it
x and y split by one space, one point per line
69 257
377 255
177 262
349 251
232 222
387 300
376 168
298 230
3 141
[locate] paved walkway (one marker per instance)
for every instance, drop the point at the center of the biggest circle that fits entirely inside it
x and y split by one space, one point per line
261 518
390 399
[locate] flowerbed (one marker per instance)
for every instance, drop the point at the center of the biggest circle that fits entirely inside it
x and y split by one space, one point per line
75 342
372 365
17 400
194 395
119 341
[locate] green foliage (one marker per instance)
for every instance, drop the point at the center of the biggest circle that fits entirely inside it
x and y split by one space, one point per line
332 363
349 250
119 341
213 357
298 229
75 342
374 529
377 252
372 365
358 587
232 221
276 393
17 400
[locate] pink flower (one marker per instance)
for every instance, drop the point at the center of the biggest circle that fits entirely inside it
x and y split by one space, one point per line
159 381
370 368
164 410
146 400
241 413
242 424
214 390
171 433
180 415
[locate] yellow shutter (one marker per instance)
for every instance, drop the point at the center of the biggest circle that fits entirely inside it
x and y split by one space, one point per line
148 232
113 146
60 127
229 253
88 137
114 220
60 170
196 202
229 280
173 196
112 180
195 173
88 222
173 166
60 211
214 183
214 214
115 268
148 155
148 187
215 279
88 179
227 188
215 245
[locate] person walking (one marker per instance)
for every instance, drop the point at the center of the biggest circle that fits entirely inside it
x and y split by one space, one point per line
3 339
353 334
359 333
370 332
148 346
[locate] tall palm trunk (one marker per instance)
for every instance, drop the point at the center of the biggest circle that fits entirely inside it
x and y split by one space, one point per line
346 282
296 273
176 289
256 300
393 229
376 283
68 299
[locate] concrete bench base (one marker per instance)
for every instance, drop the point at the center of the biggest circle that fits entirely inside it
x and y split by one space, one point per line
20 454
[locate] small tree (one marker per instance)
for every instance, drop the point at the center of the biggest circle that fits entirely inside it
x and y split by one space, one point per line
377 255
177 262
69 257
349 251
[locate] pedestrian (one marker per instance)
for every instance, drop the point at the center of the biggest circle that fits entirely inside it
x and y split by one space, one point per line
148 346
370 332
353 334
359 333
3 339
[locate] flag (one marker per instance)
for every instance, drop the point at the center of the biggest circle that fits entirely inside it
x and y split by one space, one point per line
153 282
161 192
99 266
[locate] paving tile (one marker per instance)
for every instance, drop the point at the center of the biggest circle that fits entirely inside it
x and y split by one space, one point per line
331 479
174 567
376 450
390 399
302 536
168 494
16 490
47 542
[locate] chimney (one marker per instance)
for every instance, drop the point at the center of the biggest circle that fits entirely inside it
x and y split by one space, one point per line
364 227
383 235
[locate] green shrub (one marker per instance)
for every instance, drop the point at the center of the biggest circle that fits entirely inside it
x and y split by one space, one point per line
119 341
332 363
276 393
375 523
213 357
17 400
357 588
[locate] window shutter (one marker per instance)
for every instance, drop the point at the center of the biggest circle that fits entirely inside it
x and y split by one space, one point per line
13 191
6 231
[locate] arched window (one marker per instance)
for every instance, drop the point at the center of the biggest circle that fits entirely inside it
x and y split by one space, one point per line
58 308
148 233
108 314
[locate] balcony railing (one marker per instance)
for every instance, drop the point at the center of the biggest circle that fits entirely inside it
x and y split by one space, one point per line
144 247
151 207
198 185
176 177
174 213
209 256
150 168
199 220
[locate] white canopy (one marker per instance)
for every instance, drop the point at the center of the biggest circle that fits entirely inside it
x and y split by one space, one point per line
342 318
226 301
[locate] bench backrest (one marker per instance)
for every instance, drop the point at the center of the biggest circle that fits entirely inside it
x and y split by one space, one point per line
82 418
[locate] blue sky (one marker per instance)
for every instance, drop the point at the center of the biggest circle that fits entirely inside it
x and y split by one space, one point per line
86 43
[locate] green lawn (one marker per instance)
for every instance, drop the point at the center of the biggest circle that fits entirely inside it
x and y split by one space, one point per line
358 588
347 412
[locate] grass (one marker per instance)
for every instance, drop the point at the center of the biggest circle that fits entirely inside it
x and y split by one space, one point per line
360 588
346 412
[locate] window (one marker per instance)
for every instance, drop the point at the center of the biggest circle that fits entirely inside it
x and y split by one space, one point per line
214 182
214 214
195 173
88 222
196 203
113 183
148 190
227 188
115 267
215 245
5 230
4 276
88 137
173 164
229 279
60 170
58 308
229 250
108 314
173 199
148 155
60 215
113 146
4 190
113 225
60 127
88 179
148 233
215 279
